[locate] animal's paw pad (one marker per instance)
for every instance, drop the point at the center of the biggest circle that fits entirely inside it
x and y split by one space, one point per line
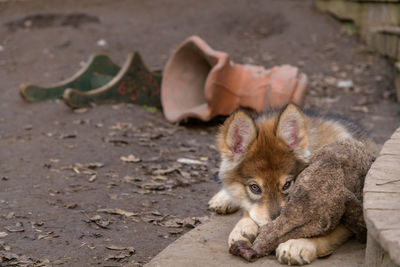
221 203
296 252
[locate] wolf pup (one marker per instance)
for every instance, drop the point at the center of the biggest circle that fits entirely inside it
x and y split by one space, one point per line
261 158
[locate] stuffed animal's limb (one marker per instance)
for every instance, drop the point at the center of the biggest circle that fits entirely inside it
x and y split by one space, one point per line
241 248
353 218
305 250
222 203
245 230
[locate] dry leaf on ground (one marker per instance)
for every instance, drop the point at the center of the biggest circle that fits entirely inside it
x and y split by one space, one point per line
112 247
18 227
99 221
131 159
124 252
3 234
191 161
189 222
165 171
118 212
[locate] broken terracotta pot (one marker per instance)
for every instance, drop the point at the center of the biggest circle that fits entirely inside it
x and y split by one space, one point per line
199 82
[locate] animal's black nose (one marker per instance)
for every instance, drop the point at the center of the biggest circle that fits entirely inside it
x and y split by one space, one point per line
275 214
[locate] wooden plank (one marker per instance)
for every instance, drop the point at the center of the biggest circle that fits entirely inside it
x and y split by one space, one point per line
382 200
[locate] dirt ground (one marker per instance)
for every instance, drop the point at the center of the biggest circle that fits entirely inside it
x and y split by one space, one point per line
67 198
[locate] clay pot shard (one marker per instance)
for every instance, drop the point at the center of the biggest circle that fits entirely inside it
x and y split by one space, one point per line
134 83
199 82
98 70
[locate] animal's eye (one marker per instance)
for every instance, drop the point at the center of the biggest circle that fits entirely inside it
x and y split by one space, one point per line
286 185
255 189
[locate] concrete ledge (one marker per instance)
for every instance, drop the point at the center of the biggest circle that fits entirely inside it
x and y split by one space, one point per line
382 206
207 245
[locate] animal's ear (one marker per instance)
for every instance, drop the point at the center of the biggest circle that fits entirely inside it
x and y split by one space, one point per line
235 136
292 128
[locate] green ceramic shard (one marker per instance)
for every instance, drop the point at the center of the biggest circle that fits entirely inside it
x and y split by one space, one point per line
134 83
98 71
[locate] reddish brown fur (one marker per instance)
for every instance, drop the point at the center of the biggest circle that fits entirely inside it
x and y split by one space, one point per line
269 159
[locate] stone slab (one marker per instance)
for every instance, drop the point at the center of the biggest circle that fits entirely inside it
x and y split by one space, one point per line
207 245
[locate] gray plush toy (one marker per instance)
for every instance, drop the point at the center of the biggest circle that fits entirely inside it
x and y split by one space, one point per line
327 192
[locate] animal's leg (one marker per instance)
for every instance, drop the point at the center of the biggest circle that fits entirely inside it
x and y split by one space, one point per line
222 203
245 230
305 250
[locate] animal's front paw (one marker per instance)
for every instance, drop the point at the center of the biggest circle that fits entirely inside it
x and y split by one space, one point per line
221 203
296 252
245 231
